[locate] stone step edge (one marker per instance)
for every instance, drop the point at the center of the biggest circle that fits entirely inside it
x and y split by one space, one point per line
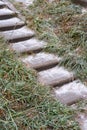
43 63
12 26
11 6
11 36
6 15
21 47
58 81
71 93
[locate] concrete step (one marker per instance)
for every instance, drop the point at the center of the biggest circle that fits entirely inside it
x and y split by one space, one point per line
71 92
55 76
31 45
17 35
41 61
82 119
2 4
9 24
6 13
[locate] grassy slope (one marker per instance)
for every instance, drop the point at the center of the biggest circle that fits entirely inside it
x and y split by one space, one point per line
62 25
26 105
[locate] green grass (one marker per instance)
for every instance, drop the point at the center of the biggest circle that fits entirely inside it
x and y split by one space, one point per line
25 104
63 26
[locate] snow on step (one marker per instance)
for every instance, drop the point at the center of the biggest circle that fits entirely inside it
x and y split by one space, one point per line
71 92
16 35
28 45
11 23
41 60
55 76
6 13
82 119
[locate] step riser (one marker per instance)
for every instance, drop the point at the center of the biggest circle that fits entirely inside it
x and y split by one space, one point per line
11 27
63 82
46 67
19 39
34 51
11 24
2 6
7 16
28 52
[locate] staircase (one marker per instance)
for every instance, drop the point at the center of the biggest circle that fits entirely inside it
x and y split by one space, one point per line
65 86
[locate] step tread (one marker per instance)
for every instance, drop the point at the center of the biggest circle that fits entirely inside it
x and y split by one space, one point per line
55 76
28 45
71 92
41 60
17 34
12 22
6 11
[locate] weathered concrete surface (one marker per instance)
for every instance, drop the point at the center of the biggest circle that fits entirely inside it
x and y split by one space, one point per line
25 2
71 92
16 35
55 76
11 7
82 119
11 23
6 13
30 45
41 61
